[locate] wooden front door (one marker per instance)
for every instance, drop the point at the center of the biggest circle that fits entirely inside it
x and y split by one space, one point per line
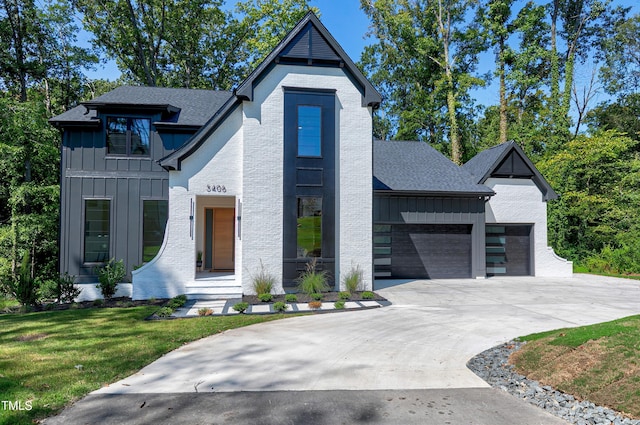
220 239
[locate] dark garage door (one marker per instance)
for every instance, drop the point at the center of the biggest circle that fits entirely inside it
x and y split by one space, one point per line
508 250
430 251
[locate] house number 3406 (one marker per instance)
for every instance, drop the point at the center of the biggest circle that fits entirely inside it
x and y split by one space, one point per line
216 188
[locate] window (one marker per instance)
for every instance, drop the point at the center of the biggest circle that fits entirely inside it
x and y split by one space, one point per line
154 220
309 227
309 130
128 136
96 230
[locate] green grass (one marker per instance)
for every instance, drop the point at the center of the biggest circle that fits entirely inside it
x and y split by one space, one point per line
599 363
39 352
578 268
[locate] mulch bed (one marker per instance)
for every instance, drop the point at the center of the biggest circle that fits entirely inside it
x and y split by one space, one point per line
303 298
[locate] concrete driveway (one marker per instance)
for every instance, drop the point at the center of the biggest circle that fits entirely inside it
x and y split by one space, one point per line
422 342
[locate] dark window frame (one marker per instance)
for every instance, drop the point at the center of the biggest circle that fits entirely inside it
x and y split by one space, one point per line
128 136
109 230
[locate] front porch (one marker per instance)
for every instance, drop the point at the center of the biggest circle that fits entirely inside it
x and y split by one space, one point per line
214 286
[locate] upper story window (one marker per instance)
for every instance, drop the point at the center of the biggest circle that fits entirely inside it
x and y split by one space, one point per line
128 136
309 130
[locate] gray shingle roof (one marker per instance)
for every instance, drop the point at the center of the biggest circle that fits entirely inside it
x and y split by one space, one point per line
417 167
196 106
485 161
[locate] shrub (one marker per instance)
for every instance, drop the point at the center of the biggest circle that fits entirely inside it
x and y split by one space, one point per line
317 297
204 311
98 303
165 312
177 302
263 282
352 279
344 295
265 298
241 307
109 276
291 298
23 287
315 304
339 305
312 281
280 307
368 295
66 290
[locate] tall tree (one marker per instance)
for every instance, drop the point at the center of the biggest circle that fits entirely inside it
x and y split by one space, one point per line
187 43
495 19
620 72
22 39
423 60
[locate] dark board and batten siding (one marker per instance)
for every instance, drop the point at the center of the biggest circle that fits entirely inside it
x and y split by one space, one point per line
88 173
448 220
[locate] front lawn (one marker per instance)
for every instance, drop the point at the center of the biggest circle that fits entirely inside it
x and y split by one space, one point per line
50 359
599 363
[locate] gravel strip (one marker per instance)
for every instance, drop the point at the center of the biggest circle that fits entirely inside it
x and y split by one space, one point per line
491 365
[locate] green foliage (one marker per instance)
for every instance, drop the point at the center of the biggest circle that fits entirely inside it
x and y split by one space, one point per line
109 276
368 295
339 305
280 307
24 287
263 282
98 303
66 290
344 295
177 301
595 221
164 312
241 307
317 296
291 298
265 298
353 279
312 281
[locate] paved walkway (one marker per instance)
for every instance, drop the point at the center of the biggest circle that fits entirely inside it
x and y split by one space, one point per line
422 342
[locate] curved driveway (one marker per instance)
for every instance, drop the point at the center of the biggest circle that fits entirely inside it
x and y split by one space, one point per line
422 341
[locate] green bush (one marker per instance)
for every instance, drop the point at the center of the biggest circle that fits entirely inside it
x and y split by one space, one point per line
344 295
98 303
109 276
339 305
353 279
263 282
312 281
66 290
368 295
280 307
165 312
265 298
317 296
177 301
241 307
23 286
291 298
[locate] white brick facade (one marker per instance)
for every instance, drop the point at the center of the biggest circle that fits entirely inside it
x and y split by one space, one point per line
245 155
519 201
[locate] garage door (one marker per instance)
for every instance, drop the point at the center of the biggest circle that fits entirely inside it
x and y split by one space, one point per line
508 250
426 251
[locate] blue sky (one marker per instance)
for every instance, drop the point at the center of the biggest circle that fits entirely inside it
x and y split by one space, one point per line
349 25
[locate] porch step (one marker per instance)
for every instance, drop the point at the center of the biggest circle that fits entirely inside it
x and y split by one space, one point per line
213 290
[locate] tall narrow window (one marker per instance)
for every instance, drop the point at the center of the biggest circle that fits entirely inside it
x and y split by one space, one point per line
309 130
309 227
128 136
154 220
96 230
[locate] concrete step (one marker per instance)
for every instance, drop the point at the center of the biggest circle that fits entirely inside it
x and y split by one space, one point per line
213 290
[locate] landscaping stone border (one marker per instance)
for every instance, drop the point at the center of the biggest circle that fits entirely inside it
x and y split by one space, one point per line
492 366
